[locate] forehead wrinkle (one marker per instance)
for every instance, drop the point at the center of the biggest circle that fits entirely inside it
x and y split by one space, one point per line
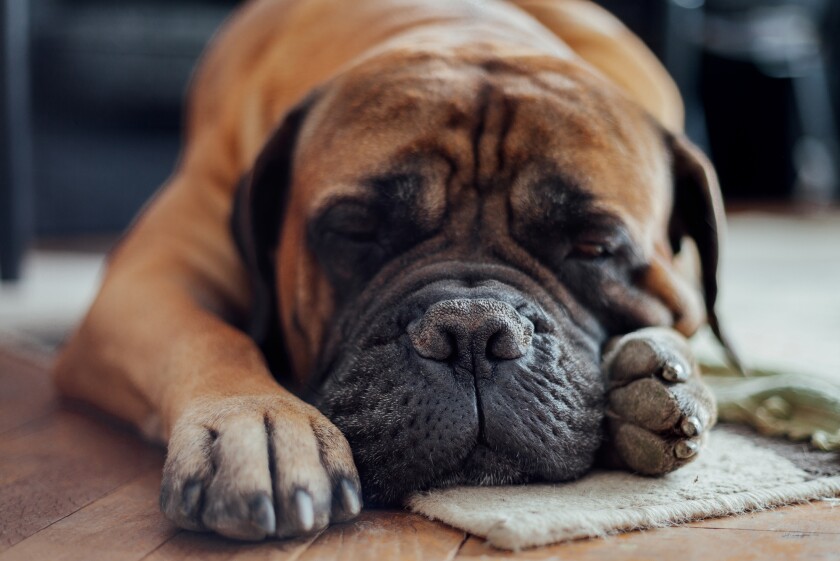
394 193
568 112
418 179
403 93
562 202
398 189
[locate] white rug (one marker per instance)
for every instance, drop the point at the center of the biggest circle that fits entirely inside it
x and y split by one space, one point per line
735 473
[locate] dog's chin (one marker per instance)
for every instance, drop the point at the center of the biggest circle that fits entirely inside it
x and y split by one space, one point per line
415 424
481 467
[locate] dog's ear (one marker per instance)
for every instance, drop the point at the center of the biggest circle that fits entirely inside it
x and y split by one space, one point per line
698 214
258 211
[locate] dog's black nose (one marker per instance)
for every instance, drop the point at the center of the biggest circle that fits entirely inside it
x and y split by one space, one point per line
471 329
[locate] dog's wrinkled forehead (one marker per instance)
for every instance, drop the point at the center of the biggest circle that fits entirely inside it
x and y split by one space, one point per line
464 126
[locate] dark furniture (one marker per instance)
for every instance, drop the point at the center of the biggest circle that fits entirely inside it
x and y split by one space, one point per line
771 125
16 219
109 80
105 83
756 76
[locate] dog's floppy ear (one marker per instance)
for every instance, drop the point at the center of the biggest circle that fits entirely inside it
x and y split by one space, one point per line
698 214
258 210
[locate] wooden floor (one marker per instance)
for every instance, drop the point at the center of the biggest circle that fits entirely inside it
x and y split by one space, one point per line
77 486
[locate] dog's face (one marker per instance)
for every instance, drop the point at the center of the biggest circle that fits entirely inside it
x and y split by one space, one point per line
458 239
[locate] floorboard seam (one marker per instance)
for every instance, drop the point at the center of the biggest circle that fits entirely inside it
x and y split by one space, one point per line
107 493
305 548
815 532
160 545
466 538
25 424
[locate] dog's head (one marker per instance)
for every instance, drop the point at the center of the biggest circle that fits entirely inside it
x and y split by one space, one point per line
440 247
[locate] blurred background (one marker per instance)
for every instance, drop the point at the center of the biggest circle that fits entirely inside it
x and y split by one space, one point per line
92 94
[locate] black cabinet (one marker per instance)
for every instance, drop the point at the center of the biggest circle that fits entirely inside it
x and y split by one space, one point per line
16 216
108 81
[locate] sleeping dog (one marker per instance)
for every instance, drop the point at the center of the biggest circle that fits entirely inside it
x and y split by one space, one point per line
410 244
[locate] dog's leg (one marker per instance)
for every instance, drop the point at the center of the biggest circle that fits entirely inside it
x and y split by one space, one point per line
658 408
245 457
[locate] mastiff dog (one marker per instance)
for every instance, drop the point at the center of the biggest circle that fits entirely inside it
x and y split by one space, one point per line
410 244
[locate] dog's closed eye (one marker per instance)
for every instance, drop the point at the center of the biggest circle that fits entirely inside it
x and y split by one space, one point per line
589 250
598 244
351 221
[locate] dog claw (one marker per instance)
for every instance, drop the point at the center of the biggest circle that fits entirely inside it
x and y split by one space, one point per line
691 426
685 449
191 499
262 514
350 498
305 511
674 372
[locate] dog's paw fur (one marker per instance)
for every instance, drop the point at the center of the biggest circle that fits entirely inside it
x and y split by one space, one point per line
658 409
253 467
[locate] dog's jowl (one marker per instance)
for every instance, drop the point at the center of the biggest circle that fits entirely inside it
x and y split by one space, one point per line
410 244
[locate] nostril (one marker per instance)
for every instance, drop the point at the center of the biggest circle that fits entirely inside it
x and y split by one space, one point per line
430 341
511 341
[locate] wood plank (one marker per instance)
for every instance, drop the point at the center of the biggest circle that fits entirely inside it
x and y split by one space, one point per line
683 543
125 524
818 517
375 535
193 546
381 535
26 391
54 466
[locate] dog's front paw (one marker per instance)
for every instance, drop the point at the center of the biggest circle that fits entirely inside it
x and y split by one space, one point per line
252 467
658 409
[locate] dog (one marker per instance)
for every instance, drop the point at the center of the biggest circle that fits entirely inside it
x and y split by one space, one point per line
410 244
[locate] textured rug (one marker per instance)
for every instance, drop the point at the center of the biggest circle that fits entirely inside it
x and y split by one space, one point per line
738 471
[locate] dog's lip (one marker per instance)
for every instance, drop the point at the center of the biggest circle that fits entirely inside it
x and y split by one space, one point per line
479 447
472 470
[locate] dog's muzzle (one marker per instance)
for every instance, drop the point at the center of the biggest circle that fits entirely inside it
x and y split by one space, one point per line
463 380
